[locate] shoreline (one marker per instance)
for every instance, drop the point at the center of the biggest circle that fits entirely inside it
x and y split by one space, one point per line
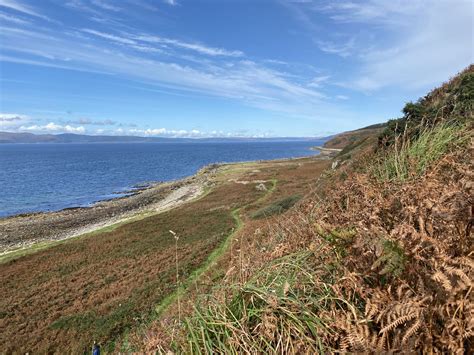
24 231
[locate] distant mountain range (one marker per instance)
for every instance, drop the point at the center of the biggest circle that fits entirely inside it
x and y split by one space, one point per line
10 137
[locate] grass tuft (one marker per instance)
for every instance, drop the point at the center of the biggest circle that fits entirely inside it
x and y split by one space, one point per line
408 159
282 301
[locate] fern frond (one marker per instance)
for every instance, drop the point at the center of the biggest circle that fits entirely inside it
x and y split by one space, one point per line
398 321
412 330
443 280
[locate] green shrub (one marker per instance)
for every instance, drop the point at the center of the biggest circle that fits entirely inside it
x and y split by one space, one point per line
277 207
451 104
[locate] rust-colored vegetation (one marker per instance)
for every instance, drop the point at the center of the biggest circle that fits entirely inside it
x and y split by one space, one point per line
106 285
96 287
378 259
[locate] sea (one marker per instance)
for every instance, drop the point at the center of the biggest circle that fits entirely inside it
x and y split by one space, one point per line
51 177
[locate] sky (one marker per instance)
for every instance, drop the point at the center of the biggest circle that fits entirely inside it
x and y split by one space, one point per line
223 68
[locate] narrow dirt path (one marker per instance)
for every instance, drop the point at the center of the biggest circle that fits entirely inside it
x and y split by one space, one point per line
212 258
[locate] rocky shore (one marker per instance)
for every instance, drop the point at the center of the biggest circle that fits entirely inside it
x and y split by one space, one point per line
24 230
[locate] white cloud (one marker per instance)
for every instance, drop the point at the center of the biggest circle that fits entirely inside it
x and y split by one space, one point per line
249 82
344 49
13 19
106 5
88 121
410 44
111 37
380 11
140 42
163 132
318 81
171 2
53 127
20 7
12 120
183 133
197 47
432 49
342 97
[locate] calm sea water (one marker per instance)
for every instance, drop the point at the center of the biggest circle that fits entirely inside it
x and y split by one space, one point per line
47 177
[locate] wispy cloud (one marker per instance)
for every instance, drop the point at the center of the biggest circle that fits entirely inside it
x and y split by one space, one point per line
109 36
106 5
197 47
434 47
243 80
409 44
176 66
14 19
142 42
20 7
88 121
343 49
171 2
372 11
318 81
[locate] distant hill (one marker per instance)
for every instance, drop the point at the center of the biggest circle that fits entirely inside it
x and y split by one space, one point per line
344 139
10 137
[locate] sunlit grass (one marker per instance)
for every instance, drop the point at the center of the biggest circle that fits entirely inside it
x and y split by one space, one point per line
408 159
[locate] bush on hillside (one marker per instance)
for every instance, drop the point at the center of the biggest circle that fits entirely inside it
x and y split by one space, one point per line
454 101
277 207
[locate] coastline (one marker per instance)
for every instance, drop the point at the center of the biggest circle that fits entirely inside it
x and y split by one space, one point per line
23 231
27 231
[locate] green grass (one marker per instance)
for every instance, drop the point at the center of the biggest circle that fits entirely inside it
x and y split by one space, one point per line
277 207
410 159
215 254
283 301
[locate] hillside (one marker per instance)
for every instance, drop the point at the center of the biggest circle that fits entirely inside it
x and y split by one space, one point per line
109 285
346 139
377 257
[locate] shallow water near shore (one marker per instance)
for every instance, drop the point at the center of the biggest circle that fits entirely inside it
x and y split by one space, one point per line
50 177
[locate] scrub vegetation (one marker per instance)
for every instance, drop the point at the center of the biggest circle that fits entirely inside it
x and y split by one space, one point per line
373 254
109 285
378 257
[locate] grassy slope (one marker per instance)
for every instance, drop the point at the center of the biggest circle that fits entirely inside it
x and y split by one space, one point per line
108 284
378 258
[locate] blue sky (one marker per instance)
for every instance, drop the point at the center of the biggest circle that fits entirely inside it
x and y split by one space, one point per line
199 68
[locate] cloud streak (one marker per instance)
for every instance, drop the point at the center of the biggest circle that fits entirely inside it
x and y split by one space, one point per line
20 7
408 44
237 78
